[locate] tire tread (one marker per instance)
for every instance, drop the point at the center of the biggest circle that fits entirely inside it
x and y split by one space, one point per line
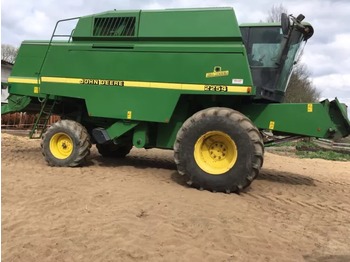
231 115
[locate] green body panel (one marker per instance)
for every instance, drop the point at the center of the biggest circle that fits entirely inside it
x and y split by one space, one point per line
190 23
140 137
166 133
15 104
323 120
120 128
29 59
186 63
178 23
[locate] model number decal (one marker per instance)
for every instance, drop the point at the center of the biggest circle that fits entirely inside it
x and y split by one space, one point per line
216 88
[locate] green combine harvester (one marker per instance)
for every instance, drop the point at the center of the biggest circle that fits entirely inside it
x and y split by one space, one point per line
191 80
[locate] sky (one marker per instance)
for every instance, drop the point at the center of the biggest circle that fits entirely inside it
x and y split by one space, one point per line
326 54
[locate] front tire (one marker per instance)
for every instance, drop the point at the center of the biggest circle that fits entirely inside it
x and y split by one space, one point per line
219 149
66 143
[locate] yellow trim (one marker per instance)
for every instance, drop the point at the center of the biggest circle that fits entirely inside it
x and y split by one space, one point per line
239 89
140 84
215 152
272 125
23 80
136 84
177 86
61 80
217 74
129 115
309 108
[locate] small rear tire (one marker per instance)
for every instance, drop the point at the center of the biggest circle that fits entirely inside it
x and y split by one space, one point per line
66 143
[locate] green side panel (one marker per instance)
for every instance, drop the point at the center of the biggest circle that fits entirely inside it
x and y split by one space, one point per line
323 120
170 23
166 133
27 67
22 89
117 102
29 59
15 104
120 128
339 116
68 62
341 107
146 62
140 138
83 28
189 23
141 78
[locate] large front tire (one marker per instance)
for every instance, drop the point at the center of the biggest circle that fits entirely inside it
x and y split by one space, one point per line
219 149
66 143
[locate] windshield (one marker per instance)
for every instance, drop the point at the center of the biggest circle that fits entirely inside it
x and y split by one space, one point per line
263 46
292 57
271 66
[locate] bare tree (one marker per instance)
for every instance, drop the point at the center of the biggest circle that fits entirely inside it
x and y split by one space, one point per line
8 53
275 12
300 88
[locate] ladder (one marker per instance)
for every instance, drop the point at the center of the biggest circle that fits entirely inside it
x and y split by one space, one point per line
42 119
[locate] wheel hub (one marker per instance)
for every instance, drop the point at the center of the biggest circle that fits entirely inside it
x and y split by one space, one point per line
218 151
215 152
61 146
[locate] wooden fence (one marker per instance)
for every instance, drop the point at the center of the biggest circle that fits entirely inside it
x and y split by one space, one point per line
22 121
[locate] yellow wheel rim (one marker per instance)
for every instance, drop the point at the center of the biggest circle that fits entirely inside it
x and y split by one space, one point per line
215 152
61 145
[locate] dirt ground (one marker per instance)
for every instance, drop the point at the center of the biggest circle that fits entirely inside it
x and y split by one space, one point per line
139 209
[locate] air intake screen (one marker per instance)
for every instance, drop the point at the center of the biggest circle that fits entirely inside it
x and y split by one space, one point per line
114 26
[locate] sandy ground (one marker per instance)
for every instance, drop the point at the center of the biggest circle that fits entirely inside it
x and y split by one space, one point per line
138 209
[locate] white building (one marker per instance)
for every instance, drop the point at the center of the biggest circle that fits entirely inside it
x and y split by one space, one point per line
6 68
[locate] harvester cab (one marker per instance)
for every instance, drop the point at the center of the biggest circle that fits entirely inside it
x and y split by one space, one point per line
272 51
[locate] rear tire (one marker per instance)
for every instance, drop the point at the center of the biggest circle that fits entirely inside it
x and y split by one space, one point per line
66 143
113 150
219 149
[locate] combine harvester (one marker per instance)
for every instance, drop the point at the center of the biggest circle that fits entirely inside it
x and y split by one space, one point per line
191 80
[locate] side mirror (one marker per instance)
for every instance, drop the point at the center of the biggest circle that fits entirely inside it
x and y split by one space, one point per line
300 18
285 23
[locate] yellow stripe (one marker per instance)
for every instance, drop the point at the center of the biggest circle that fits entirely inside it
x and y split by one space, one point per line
239 89
61 80
161 85
137 84
191 87
23 80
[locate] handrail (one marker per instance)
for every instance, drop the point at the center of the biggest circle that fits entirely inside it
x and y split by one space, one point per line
53 36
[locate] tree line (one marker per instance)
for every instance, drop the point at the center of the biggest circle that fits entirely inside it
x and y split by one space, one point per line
8 53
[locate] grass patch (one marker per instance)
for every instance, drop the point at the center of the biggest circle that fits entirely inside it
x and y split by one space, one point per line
285 144
327 155
308 149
